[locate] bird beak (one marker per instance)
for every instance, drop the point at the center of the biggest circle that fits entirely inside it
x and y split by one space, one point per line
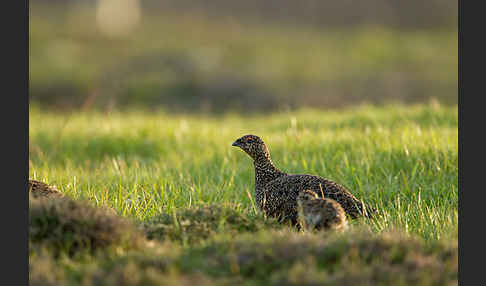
236 143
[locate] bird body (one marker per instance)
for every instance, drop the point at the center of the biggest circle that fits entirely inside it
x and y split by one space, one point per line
42 190
320 213
279 196
276 191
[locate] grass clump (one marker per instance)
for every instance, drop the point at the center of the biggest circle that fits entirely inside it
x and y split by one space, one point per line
193 225
68 226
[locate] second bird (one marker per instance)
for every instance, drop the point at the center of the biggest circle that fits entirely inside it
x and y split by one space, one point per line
276 191
320 213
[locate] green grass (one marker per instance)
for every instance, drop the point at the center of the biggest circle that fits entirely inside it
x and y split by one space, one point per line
401 159
190 192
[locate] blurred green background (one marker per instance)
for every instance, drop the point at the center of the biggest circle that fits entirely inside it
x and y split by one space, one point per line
241 56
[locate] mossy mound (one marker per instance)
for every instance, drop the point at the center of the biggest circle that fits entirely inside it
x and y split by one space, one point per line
70 226
201 222
265 257
132 274
44 271
146 270
155 266
352 258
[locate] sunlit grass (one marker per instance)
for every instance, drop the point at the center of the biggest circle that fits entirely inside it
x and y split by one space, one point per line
401 159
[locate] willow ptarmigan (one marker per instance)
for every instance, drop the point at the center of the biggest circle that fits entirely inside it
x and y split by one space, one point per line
42 190
276 192
320 213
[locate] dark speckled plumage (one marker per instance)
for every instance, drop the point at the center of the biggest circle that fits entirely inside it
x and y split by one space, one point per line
276 192
42 190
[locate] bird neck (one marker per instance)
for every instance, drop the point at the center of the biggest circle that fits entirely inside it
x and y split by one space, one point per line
265 171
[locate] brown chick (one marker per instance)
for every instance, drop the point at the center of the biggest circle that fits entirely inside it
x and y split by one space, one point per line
320 213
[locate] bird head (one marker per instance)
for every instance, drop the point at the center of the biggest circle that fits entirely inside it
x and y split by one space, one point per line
307 195
253 146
